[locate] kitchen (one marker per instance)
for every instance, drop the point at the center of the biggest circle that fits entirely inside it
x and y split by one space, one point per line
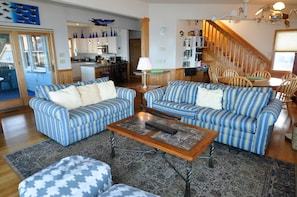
98 51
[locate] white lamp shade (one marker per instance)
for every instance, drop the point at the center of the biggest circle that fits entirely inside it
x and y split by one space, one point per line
144 63
279 5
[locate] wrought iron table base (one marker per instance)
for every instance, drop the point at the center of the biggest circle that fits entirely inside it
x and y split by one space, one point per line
187 179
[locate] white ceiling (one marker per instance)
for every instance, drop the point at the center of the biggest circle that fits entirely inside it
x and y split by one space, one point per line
293 2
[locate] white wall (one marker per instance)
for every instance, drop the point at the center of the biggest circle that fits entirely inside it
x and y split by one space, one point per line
55 17
165 50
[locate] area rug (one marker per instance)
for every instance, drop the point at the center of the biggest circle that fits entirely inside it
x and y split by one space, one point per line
234 173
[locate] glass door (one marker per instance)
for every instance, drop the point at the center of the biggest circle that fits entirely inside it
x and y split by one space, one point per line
9 89
35 61
26 60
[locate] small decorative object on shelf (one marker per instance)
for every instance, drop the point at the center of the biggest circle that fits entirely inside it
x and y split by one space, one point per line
82 35
96 35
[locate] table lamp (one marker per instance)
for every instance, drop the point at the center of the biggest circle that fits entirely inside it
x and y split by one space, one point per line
144 64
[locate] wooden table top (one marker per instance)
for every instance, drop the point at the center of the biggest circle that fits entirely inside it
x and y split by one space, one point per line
273 82
196 142
140 89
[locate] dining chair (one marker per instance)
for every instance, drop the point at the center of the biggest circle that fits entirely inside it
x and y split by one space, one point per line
230 73
261 73
286 90
240 81
214 72
288 75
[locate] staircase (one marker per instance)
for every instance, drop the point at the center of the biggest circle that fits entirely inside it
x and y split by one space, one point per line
227 49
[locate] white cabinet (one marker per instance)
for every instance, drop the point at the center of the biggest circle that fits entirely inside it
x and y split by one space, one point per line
81 45
89 45
112 44
192 49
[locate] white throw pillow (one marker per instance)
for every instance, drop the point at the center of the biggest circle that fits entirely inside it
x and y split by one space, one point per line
209 98
107 90
89 94
67 97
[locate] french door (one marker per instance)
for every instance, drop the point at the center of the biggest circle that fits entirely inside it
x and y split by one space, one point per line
26 60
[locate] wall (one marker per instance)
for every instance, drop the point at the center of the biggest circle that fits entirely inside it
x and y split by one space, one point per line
164 50
55 17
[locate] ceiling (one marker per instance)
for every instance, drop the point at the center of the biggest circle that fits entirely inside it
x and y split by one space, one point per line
293 2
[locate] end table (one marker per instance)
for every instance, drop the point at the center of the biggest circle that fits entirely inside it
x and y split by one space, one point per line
139 89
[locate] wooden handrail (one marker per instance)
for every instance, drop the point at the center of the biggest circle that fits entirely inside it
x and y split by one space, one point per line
229 50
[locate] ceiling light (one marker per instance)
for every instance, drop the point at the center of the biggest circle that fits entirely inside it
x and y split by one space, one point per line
279 5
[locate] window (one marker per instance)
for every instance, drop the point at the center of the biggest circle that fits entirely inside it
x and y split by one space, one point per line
284 50
34 52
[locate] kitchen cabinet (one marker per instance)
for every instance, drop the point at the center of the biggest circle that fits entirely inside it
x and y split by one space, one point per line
89 45
81 45
117 72
112 44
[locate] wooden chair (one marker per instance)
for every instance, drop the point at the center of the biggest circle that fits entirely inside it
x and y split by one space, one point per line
286 90
240 81
230 73
288 75
214 72
261 73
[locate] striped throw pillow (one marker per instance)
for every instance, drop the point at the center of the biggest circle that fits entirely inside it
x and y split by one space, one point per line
174 93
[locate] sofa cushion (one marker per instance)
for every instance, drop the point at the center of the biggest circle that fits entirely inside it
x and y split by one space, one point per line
174 93
179 109
98 80
107 90
42 91
209 98
68 97
89 94
250 103
94 112
227 119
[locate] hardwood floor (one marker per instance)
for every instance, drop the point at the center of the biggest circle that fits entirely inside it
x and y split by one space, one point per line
20 132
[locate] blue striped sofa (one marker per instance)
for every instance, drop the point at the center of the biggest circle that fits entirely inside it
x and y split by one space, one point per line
69 126
245 120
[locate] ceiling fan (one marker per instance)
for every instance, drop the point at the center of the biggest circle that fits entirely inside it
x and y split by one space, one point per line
274 13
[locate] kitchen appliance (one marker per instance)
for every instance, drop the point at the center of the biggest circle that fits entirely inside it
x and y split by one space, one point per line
112 59
102 49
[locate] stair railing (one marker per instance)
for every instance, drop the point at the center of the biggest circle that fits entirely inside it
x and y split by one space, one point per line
227 49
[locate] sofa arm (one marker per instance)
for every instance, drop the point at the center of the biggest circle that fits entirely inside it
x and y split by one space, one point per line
128 94
125 93
270 113
49 108
154 95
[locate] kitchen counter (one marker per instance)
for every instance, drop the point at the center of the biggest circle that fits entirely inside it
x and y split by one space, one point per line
115 71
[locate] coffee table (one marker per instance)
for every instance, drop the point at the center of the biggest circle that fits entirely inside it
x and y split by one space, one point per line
188 143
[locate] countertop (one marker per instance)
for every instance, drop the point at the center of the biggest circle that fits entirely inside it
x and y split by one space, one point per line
97 65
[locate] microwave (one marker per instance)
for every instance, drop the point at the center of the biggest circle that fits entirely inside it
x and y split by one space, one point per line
102 49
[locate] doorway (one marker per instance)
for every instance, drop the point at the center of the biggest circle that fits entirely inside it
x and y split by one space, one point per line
24 63
135 53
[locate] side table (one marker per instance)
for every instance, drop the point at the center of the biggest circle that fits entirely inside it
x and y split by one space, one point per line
139 89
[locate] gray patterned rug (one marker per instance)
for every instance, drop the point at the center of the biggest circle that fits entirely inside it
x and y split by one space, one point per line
234 174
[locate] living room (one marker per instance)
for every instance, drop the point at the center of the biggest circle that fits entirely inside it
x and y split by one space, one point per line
168 19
